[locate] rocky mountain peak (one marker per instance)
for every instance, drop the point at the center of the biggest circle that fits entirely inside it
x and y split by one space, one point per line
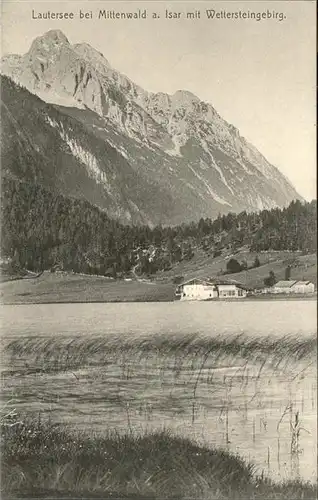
184 96
51 40
176 142
90 54
46 50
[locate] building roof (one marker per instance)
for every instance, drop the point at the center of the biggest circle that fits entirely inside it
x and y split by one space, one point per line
290 284
213 282
193 280
284 284
302 283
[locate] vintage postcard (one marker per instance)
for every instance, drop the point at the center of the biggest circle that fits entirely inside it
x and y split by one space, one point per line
158 250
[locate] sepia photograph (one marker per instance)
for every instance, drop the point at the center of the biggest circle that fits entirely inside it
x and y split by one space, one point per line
158 251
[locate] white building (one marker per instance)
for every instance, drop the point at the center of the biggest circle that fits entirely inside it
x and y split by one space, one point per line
293 286
303 287
208 289
197 289
230 290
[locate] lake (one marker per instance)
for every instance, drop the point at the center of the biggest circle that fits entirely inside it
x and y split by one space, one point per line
250 317
77 364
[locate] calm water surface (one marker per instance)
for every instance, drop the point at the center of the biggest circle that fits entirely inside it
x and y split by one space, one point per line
252 317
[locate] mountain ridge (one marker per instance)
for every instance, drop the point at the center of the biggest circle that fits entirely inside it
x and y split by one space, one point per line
177 143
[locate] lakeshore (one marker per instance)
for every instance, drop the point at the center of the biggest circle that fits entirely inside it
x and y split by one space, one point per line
60 287
153 466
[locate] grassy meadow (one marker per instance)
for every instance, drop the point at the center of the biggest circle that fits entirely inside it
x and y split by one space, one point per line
204 264
67 288
165 416
64 287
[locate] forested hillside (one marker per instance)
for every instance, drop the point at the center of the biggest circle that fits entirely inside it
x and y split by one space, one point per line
44 230
72 122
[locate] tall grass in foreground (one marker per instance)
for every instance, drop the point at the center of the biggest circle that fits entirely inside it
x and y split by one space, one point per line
172 373
41 459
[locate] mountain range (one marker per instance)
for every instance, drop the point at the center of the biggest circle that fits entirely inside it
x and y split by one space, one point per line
77 126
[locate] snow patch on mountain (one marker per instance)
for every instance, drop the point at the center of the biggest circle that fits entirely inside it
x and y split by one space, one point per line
176 150
209 189
50 96
261 202
120 150
85 156
244 167
215 165
89 161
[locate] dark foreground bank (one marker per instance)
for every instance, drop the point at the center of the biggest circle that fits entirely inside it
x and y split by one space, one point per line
42 460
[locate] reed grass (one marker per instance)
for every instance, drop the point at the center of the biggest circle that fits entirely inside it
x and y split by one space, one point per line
61 352
39 458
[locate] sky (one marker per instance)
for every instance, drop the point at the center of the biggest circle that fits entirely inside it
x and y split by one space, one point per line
259 75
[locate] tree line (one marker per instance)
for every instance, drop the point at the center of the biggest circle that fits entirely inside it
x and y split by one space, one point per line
45 230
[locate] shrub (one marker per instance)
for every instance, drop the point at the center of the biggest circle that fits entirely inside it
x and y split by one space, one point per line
233 266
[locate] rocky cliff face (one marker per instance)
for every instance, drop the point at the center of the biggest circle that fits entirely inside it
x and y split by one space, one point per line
176 147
